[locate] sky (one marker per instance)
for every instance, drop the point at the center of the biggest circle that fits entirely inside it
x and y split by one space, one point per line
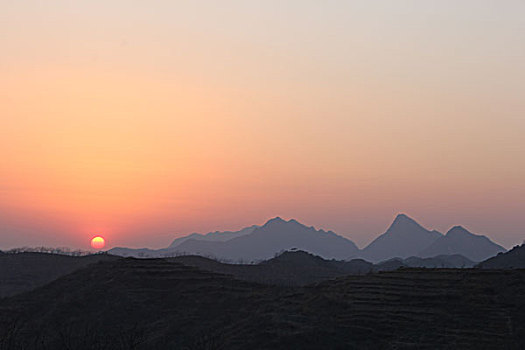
143 121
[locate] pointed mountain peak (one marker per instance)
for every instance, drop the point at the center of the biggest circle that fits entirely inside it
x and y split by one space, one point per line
403 220
402 217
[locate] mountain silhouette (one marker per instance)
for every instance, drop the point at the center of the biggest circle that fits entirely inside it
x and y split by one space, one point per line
273 237
404 238
513 259
460 241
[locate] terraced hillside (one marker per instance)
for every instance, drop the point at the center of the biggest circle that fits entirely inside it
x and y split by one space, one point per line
429 308
145 304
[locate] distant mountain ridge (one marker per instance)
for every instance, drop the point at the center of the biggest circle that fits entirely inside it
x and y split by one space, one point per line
460 241
404 238
219 236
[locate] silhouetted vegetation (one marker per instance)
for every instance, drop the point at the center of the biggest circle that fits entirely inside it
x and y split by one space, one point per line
51 250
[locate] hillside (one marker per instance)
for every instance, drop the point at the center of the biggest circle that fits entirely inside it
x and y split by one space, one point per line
288 269
453 261
25 271
157 304
436 262
513 259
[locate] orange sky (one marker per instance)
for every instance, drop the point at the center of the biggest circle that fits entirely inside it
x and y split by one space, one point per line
143 121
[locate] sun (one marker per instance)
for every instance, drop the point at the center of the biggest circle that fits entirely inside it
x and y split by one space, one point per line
98 242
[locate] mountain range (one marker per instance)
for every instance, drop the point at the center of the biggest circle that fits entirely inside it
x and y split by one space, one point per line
404 238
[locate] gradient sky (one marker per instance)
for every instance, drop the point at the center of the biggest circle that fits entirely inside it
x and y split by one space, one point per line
143 121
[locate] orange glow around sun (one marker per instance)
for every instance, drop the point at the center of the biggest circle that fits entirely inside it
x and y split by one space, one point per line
98 242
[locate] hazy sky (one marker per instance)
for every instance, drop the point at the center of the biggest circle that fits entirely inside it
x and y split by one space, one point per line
144 120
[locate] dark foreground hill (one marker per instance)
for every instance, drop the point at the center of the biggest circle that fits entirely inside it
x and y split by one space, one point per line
25 271
288 269
299 268
158 304
436 262
513 259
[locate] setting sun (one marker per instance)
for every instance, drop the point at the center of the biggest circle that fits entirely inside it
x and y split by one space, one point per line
98 242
